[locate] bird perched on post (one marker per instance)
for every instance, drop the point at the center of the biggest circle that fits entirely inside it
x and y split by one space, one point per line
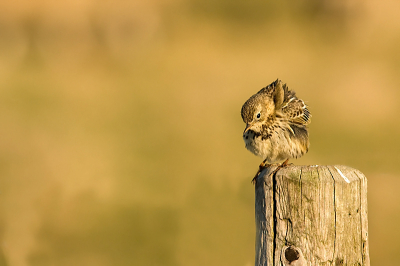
276 125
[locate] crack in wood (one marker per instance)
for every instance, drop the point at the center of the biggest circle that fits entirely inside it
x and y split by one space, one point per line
289 227
361 221
301 189
274 211
334 209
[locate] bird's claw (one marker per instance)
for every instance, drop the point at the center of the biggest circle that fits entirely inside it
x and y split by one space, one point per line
264 165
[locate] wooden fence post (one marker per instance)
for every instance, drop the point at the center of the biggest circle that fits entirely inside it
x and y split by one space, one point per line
311 215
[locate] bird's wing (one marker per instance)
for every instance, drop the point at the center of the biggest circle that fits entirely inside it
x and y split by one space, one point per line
295 109
275 91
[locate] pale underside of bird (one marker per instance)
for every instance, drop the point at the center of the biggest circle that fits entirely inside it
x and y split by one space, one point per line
276 124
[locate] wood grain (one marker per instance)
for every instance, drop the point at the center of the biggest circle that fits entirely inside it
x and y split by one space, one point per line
311 216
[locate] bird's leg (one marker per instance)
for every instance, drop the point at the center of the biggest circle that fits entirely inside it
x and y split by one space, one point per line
284 164
263 165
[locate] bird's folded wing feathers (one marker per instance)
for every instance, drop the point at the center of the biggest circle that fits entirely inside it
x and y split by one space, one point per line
295 109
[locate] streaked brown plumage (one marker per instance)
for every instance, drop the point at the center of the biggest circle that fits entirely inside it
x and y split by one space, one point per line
276 124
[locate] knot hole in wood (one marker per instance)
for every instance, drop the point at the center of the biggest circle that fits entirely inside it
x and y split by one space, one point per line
291 254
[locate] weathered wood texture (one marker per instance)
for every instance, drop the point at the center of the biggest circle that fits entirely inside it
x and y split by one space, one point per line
309 215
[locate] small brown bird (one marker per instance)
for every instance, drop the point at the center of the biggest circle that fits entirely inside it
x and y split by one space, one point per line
276 125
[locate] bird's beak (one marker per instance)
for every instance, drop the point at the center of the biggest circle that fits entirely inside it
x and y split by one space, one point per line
247 128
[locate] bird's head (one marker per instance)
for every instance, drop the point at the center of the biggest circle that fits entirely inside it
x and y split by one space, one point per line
260 109
257 111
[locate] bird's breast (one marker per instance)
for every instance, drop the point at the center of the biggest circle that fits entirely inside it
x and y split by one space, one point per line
257 144
279 145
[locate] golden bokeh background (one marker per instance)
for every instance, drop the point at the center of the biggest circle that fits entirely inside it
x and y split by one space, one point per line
121 136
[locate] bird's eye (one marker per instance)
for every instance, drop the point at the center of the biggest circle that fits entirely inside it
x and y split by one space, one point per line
258 115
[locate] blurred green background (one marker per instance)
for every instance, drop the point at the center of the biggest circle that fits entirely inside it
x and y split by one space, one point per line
121 136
